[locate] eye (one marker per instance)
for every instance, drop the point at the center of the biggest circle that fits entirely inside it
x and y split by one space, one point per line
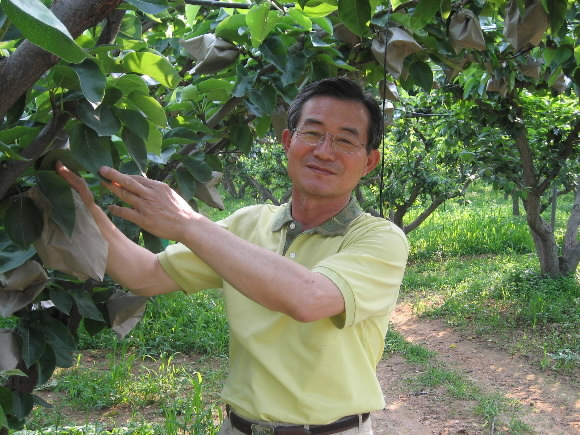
314 134
345 141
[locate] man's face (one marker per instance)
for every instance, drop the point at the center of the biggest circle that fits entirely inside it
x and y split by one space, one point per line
321 171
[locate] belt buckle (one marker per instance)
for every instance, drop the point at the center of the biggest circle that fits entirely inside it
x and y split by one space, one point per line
258 429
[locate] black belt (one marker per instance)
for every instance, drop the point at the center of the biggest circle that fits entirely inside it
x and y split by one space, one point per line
245 426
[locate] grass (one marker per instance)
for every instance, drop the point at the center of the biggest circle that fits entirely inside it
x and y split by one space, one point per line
471 263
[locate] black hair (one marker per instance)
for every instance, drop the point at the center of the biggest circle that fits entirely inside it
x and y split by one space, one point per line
343 89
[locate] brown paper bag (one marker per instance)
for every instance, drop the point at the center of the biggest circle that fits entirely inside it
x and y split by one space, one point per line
529 29
20 287
389 92
398 45
125 311
9 349
465 31
208 192
212 54
84 254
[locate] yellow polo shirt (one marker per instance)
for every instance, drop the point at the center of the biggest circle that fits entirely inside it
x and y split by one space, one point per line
307 373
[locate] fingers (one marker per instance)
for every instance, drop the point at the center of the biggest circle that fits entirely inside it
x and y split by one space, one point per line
76 182
132 183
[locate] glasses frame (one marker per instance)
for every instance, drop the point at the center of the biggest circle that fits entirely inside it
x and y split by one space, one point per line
301 130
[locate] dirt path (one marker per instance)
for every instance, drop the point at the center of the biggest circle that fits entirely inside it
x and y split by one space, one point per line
549 406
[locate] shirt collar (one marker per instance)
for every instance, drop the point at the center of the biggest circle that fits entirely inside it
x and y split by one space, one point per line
335 226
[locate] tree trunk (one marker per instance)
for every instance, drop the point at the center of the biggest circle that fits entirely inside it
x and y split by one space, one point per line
542 232
571 249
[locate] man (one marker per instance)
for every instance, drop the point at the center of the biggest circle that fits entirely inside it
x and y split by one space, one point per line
309 286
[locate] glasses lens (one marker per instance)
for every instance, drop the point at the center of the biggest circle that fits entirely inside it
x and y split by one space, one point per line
345 144
340 143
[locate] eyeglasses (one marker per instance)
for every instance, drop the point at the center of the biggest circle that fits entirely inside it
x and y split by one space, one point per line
341 143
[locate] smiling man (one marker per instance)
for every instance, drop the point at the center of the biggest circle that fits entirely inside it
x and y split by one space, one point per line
309 286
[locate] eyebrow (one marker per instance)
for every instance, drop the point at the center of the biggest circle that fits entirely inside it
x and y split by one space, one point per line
352 130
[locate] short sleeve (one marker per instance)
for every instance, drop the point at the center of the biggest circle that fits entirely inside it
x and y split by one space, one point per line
368 269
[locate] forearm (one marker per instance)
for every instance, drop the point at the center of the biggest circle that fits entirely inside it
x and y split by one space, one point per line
266 277
129 264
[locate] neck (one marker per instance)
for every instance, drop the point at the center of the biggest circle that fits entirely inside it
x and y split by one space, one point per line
312 212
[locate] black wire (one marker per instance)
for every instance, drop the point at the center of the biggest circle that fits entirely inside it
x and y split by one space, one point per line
382 182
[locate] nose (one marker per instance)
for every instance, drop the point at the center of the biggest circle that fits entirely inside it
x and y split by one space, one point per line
325 149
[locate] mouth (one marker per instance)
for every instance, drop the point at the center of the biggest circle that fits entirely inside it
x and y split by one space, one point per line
321 169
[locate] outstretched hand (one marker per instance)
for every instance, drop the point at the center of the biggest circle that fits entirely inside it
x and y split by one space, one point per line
154 206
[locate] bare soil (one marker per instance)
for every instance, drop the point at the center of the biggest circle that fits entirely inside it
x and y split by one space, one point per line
548 404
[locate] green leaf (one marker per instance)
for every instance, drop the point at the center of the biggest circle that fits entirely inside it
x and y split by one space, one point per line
134 121
264 99
9 153
137 149
46 365
12 255
49 160
197 167
151 242
295 68
241 136
129 83
89 149
301 19
216 89
59 194
424 13
5 404
355 14
60 339
22 404
92 80
155 66
20 135
102 119
229 29
149 6
61 299
557 13
260 21
41 27
86 305
150 107
23 221
319 9
275 52
186 183
445 9
422 75
33 344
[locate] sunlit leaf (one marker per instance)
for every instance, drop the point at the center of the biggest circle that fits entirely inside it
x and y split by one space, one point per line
355 14
155 66
41 27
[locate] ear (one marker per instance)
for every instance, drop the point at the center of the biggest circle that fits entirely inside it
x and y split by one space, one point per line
286 139
372 160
